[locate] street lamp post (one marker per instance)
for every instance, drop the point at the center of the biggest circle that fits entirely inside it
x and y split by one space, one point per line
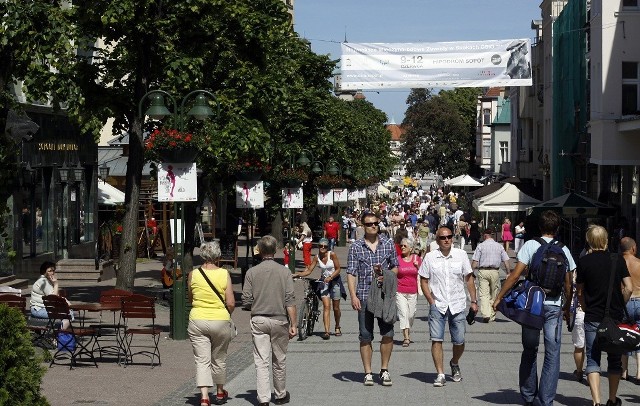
158 111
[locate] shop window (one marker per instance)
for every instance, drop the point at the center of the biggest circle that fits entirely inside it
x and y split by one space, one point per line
630 88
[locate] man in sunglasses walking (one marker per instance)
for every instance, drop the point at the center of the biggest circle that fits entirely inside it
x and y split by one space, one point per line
373 260
443 276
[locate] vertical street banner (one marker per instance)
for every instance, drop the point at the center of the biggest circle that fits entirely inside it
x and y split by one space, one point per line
292 198
249 194
362 193
353 195
325 197
177 182
340 195
436 64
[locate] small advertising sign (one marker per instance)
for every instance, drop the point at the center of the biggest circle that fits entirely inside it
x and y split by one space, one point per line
325 197
249 194
177 182
292 198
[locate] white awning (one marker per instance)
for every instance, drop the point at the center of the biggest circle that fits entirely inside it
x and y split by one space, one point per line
108 194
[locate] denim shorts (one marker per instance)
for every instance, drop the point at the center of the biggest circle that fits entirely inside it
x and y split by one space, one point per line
633 307
594 354
437 321
329 289
365 326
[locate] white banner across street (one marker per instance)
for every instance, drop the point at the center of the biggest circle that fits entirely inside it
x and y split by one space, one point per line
436 64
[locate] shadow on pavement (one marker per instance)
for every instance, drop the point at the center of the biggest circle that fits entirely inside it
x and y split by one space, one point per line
250 396
575 401
420 376
348 376
502 397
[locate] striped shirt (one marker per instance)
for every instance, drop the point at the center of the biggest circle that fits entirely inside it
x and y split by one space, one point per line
361 260
490 254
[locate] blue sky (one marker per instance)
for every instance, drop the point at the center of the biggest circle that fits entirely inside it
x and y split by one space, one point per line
325 22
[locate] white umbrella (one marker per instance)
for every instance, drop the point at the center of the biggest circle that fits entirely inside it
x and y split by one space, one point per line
109 195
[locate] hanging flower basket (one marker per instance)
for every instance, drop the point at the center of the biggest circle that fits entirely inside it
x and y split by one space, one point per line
249 175
170 145
292 178
249 169
331 182
178 155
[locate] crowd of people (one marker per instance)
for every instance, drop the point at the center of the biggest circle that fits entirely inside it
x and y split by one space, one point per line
419 245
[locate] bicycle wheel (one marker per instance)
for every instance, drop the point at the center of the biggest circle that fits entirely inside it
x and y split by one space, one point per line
314 313
303 320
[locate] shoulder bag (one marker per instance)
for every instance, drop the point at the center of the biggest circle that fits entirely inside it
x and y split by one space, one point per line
233 325
611 336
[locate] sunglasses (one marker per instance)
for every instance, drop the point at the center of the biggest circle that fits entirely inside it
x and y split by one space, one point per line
404 246
445 237
371 224
323 246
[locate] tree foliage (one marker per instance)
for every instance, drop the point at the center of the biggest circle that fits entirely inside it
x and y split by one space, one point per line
437 137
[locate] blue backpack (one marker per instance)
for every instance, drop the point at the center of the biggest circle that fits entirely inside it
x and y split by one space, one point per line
524 304
548 267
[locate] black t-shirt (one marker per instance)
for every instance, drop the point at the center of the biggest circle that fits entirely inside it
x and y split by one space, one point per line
594 271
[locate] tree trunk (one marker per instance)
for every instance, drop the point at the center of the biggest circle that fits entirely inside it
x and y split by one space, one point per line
128 247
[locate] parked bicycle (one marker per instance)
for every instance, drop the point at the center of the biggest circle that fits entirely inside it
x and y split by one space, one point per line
309 312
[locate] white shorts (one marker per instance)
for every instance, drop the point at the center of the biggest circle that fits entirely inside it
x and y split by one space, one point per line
577 335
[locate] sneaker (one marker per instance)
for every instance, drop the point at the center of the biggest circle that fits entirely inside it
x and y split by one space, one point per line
618 402
283 400
455 372
440 381
385 378
368 379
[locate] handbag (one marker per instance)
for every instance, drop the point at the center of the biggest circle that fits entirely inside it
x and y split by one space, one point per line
611 336
524 304
234 329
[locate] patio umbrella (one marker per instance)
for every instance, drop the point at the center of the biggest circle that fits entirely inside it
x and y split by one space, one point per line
574 205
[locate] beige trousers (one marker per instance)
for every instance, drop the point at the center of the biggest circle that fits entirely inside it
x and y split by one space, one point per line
210 340
488 288
270 342
406 305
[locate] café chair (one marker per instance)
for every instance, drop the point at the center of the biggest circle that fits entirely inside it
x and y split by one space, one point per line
111 298
39 336
73 342
139 318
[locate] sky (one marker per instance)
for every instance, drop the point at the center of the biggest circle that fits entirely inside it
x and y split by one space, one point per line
326 22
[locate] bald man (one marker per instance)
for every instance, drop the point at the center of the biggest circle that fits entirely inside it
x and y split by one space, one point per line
629 251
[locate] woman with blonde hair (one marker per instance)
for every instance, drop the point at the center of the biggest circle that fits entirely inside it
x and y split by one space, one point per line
407 295
210 325
592 288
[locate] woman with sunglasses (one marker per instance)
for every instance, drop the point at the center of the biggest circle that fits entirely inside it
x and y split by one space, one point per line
330 288
407 296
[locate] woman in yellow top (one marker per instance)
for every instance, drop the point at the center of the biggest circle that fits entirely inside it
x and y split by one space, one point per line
210 329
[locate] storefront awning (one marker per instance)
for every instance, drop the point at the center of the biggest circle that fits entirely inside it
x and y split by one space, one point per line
108 194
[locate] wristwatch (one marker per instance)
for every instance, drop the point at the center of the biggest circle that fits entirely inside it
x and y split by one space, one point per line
474 301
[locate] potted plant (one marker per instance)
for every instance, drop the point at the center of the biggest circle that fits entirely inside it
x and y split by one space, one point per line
171 145
249 169
292 177
331 182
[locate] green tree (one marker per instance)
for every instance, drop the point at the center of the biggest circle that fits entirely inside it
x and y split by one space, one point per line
437 138
466 101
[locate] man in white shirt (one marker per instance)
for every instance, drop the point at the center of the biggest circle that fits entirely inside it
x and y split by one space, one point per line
443 275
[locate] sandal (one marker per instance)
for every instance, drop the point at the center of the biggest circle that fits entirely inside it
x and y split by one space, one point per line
205 402
221 398
406 342
338 331
326 336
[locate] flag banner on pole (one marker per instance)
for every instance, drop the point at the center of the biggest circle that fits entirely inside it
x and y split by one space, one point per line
177 182
249 194
325 197
353 195
292 198
436 64
340 195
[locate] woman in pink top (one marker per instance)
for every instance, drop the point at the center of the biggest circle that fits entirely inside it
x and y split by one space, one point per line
407 296
507 237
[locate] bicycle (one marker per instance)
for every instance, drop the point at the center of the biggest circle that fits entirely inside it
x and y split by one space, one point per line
309 312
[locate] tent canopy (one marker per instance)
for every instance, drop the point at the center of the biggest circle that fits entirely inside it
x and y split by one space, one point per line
383 190
507 198
109 195
464 180
573 205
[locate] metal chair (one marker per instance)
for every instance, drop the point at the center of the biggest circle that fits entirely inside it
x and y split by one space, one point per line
139 318
59 311
111 297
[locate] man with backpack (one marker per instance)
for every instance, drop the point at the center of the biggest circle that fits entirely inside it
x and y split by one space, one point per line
549 265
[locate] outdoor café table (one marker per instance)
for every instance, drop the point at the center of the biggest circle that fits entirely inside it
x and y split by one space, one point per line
118 349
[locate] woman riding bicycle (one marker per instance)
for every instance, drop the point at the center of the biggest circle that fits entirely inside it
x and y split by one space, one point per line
330 287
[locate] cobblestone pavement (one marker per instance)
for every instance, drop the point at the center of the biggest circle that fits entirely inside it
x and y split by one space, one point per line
322 372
